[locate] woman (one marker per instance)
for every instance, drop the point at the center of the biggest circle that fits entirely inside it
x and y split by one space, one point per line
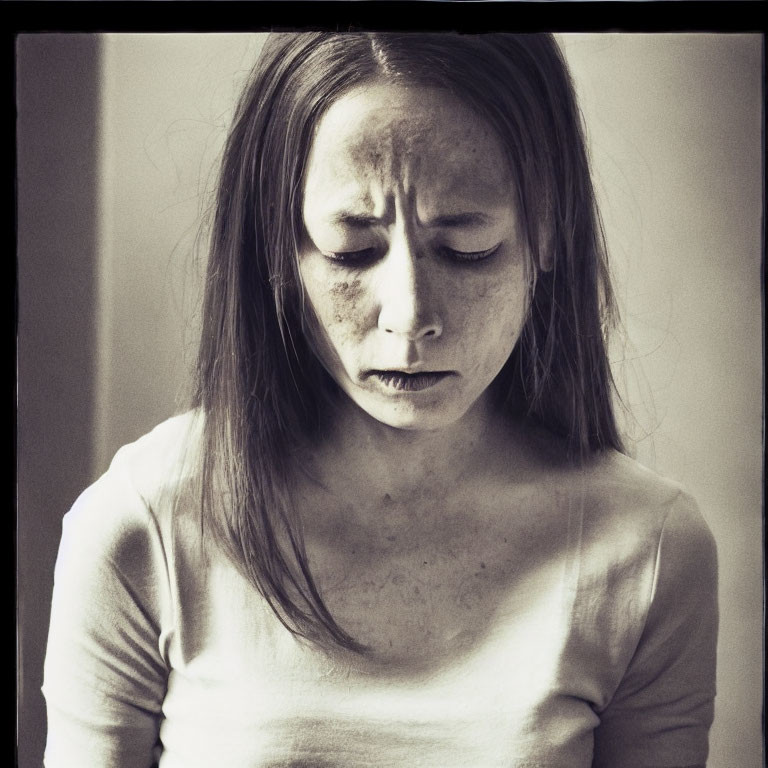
398 527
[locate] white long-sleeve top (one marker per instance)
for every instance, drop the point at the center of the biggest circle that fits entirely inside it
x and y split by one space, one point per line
159 650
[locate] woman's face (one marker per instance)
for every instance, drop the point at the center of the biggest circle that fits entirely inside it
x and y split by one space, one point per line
413 261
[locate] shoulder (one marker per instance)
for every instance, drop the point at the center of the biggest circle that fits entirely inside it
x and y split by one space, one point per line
610 485
163 458
644 539
612 476
121 518
631 527
613 491
623 495
615 506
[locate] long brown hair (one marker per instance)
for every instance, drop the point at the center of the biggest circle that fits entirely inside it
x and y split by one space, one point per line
260 386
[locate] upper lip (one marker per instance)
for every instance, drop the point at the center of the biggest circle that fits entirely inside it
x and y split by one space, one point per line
406 371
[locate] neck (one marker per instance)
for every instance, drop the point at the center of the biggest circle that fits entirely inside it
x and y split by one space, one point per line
360 451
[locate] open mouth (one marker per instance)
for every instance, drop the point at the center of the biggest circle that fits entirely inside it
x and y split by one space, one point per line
409 382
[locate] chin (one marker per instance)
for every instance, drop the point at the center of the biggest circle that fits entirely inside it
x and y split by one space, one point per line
410 416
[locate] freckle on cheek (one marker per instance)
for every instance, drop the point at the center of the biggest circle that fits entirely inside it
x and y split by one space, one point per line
344 297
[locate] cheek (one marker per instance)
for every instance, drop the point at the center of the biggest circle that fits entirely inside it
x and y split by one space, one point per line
496 304
343 302
491 320
339 308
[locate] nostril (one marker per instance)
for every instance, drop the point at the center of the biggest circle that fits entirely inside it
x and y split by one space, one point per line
415 335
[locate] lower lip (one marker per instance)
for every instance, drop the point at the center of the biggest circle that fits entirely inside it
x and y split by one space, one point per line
413 382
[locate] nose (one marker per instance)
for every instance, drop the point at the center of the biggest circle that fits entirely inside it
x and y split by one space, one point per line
406 294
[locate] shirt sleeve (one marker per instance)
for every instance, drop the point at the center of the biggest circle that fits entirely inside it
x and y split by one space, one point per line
105 675
662 710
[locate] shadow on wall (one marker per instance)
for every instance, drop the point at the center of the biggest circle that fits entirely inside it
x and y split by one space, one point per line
57 102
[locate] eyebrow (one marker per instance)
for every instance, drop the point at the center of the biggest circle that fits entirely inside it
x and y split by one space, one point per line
354 220
469 219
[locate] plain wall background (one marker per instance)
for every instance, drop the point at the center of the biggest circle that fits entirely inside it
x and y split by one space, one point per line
118 140
58 188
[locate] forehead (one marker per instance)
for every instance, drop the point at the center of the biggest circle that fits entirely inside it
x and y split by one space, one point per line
383 138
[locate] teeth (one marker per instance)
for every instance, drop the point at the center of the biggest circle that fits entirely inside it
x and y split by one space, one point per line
400 380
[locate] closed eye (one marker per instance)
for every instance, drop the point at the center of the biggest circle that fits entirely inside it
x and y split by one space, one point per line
468 256
365 256
351 258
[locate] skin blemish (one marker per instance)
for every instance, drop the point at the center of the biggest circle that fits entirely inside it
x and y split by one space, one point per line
345 289
345 297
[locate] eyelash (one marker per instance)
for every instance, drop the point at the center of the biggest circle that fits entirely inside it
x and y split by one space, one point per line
350 257
368 254
469 256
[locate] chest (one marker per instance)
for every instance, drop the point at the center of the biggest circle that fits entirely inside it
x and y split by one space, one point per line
425 586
